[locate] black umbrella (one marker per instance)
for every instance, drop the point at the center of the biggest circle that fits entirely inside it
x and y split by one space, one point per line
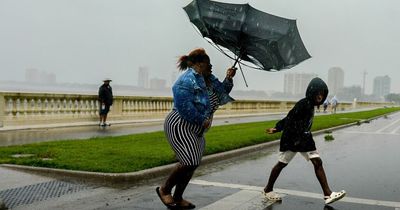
269 42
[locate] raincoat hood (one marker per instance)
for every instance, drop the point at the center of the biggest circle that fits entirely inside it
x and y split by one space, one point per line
315 86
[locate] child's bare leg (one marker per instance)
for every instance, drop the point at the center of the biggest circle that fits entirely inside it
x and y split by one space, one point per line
276 170
320 173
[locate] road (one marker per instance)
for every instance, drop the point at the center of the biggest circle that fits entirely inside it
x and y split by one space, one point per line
67 132
363 160
25 136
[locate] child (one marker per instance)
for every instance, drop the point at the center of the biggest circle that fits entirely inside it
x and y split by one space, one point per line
297 137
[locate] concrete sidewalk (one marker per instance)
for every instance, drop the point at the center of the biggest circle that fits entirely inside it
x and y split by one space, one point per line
236 182
145 174
19 135
123 122
145 122
47 183
23 135
135 177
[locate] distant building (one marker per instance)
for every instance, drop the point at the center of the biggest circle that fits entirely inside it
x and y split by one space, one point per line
143 77
335 80
296 83
350 93
32 75
51 78
35 76
47 78
381 86
158 84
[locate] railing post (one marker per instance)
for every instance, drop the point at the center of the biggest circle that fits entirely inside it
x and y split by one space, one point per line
117 106
283 106
2 109
42 108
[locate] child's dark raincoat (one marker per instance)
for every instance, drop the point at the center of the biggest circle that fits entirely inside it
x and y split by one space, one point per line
296 135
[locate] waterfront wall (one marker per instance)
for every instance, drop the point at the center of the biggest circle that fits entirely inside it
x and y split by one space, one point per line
24 109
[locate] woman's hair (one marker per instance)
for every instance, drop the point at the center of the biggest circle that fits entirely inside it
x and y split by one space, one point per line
195 56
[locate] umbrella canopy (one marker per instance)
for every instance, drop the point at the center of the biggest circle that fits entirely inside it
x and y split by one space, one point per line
267 41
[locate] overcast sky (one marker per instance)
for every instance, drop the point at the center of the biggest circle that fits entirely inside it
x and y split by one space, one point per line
84 41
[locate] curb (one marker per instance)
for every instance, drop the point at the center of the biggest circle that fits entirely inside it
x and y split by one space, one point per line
156 172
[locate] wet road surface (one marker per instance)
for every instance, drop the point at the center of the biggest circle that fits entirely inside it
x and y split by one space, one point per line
363 160
32 135
25 136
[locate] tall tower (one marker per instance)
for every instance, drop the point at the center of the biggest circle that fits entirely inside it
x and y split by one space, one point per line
335 80
32 75
381 86
296 83
363 87
143 77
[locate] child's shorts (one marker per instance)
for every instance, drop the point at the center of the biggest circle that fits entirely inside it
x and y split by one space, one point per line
287 156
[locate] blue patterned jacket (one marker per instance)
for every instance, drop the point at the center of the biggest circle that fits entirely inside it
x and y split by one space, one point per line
191 98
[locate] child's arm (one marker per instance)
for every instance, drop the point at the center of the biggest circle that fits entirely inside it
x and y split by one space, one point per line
278 127
271 130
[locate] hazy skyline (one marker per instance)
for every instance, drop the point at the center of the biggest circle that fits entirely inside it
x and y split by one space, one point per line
84 41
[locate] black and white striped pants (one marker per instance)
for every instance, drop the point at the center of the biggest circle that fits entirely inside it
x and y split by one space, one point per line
186 139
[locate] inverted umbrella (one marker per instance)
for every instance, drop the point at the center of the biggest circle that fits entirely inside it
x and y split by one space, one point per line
269 42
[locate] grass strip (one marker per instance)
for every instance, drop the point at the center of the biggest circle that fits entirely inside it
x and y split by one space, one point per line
136 152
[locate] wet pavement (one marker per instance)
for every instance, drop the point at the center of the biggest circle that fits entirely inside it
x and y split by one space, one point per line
31 135
56 132
363 160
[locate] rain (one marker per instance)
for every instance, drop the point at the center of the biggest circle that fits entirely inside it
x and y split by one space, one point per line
104 39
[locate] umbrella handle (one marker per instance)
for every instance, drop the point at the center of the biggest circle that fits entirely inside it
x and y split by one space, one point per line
244 78
236 61
240 67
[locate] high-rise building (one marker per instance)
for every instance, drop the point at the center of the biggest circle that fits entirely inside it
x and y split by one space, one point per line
143 77
32 75
35 76
296 83
158 84
350 93
381 86
335 80
51 78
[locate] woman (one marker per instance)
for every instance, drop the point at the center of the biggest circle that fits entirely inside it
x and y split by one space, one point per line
197 95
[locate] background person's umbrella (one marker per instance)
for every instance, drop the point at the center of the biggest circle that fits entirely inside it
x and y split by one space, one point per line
269 42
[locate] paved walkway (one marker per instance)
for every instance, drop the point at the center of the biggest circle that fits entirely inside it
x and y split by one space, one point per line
21 190
24 134
17 135
357 161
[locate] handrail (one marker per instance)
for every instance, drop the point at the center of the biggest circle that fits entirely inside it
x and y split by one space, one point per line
49 108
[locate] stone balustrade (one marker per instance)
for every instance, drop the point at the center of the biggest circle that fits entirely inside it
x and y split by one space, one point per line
17 109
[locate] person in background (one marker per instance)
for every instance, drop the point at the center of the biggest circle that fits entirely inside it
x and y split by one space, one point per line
297 138
105 101
197 95
326 104
334 103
